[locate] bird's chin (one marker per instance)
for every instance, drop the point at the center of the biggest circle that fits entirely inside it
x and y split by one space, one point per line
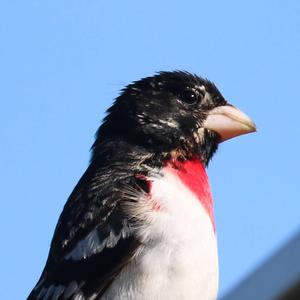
206 143
202 134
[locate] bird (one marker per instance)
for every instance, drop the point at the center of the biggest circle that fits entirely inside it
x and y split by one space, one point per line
139 224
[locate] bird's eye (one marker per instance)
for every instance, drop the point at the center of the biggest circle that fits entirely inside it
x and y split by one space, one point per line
190 97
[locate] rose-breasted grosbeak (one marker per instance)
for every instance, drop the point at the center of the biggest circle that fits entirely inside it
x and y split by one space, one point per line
139 224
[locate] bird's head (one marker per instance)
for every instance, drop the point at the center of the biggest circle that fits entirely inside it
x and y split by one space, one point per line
174 111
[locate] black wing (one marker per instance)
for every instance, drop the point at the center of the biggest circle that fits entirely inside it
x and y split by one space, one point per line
93 239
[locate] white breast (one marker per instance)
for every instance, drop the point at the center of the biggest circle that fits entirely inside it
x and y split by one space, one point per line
179 257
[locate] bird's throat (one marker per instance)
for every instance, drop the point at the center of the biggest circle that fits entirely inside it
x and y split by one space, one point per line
193 174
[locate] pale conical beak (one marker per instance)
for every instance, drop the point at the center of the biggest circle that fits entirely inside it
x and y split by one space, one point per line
228 122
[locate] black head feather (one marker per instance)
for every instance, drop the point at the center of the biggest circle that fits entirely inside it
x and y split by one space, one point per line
163 113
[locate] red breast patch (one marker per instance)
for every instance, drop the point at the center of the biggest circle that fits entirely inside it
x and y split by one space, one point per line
193 174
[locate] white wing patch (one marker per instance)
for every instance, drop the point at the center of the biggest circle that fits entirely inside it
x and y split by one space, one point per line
92 244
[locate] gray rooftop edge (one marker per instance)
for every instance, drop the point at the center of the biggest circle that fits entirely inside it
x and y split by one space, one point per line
273 278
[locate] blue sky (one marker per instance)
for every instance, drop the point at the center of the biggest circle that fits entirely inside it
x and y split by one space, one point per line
63 62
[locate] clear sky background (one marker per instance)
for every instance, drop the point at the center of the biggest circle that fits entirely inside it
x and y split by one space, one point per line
63 62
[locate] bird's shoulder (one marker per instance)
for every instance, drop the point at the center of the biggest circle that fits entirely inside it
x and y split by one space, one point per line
94 237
